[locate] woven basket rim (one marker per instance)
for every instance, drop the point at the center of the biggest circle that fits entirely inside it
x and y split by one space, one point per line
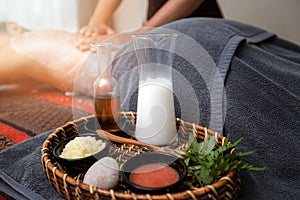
187 194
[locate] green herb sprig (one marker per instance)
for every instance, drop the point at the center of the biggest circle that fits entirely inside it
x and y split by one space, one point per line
207 162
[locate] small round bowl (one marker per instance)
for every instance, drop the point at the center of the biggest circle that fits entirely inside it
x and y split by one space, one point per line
132 165
79 165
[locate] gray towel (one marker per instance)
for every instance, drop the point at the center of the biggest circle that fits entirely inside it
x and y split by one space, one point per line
21 171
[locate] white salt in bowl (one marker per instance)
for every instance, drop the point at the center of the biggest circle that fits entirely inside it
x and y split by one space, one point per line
82 164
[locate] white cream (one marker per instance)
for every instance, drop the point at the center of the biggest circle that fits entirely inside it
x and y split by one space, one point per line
81 147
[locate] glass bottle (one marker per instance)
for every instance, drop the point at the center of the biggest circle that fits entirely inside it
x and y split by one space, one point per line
156 123
106 91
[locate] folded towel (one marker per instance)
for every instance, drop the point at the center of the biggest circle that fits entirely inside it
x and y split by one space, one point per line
21 171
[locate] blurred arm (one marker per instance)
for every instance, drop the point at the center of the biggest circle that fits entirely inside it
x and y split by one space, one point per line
98 23
173 10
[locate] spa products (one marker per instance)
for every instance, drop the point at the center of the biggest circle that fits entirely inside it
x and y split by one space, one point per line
103 174
154 176
106 91
81 147
153 172
156 115
155 107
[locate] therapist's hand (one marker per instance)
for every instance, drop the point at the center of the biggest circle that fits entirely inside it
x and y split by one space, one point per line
92 30
92 34
85 43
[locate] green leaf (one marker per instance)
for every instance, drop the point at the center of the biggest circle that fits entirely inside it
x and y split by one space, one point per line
208 162
208 146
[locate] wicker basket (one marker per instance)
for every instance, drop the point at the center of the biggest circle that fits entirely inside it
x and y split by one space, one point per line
71 187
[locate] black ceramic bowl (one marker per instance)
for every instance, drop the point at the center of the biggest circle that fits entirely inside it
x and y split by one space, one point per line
131 167
78 165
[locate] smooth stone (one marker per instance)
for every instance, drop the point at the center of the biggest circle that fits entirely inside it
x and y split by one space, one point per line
104 174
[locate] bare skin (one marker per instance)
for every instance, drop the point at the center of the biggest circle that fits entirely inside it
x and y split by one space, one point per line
55 57
46 56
